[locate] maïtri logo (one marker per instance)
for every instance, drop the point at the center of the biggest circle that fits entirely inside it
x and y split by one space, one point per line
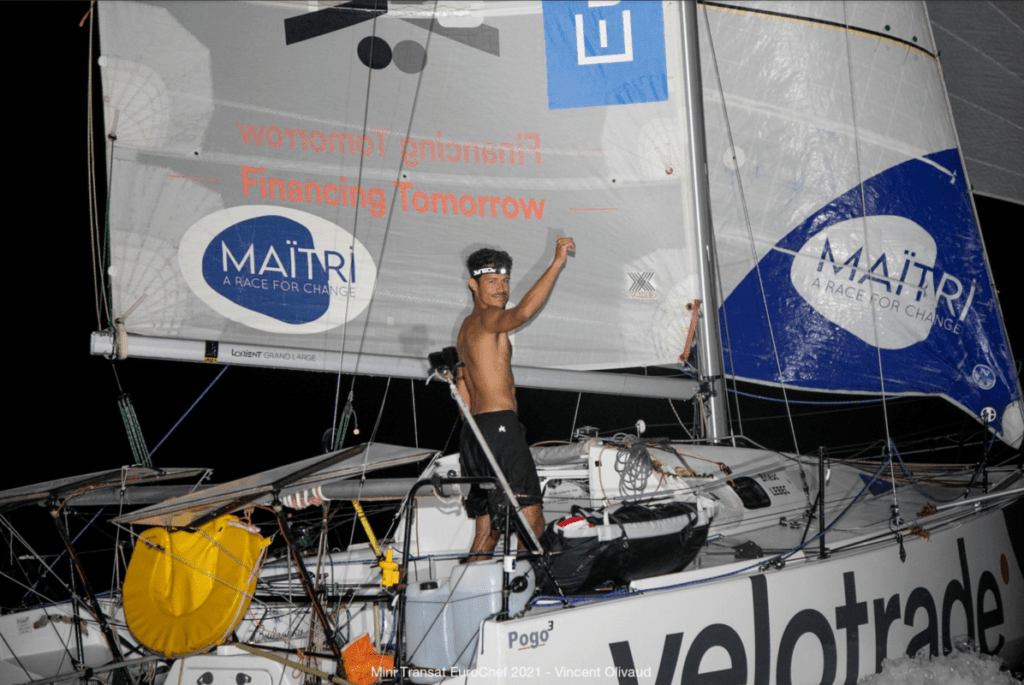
878 279
604 53
277 269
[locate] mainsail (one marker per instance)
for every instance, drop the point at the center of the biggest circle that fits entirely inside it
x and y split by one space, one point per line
298 185
310 180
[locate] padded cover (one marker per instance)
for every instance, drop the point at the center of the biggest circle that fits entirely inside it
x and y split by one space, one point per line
639 541
185 592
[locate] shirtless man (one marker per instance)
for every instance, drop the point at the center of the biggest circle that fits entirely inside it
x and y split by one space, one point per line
486 384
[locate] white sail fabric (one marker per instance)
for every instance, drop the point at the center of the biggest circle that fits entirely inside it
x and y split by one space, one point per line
266 183
310 179
849 250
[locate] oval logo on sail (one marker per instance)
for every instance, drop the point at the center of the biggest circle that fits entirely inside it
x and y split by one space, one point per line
874 278
277 269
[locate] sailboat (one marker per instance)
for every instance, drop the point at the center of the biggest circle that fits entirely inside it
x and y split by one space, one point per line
296 186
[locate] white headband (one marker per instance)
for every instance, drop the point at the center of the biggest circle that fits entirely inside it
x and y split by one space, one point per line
490 270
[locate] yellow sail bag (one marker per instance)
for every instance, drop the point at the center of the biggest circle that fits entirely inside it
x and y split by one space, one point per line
186 592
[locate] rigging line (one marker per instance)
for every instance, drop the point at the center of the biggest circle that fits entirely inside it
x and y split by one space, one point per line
373 435
914 481
49 569
90 160
13 653
862 448
287 663
100 244
750 234
728 343
366 454
864 226
371 569
870 447
99 284
117 378
115 581
355 226
17 536
104 245
395 520
227 552
1004 462
320 548
366 457
391 214
77 619
450 434
362 158
119 554
579 396
10 547
446 602
46 600
201 396
872 400
864 218
76 616
415 427
14 562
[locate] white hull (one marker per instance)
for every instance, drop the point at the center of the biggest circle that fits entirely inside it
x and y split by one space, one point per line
829 621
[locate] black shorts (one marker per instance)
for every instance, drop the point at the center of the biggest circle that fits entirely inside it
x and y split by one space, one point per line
507 440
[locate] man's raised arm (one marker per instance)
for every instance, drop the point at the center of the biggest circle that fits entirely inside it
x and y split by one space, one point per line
506 320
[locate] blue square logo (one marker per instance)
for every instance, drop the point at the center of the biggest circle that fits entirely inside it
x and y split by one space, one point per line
604 53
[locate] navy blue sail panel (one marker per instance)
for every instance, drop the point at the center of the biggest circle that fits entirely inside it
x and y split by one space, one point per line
898 274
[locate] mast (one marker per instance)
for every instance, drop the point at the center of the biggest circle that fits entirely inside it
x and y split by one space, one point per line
709 353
